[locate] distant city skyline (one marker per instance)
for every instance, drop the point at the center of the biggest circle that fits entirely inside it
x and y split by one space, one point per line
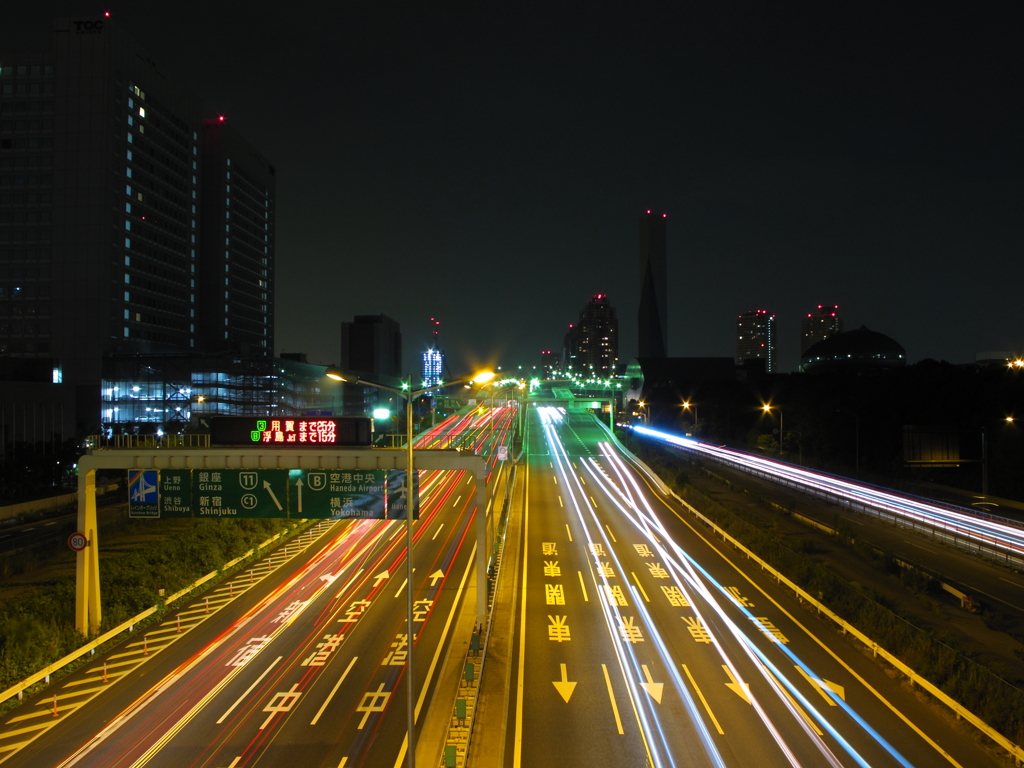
492 170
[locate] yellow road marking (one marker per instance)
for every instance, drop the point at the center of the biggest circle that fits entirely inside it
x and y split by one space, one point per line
568 531
583 586
38 726
517 745
48 701
611 696
559 501
14 747
593 502
704 701
640 587
616 541
877 694
815 686
20 718
85 680
113 666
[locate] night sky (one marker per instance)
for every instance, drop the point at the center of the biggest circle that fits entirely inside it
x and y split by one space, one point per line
487 164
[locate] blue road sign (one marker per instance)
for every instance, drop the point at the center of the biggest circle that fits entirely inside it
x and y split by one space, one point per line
142 493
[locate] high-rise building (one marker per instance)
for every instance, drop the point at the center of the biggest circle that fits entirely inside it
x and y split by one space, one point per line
755 338
570 350
548 364
102 225
236 275
597 336
652 318
433 367
818 326
371 346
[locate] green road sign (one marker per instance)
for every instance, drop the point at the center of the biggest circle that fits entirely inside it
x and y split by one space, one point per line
175 492
240 492
373 494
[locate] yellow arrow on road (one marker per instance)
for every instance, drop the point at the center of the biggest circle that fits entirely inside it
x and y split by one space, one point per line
740 689
563 686
653 688
835 687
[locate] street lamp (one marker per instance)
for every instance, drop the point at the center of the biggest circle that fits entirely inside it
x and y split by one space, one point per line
687 405
782 430
408 393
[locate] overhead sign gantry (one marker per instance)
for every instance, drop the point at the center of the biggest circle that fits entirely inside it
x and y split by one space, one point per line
272 480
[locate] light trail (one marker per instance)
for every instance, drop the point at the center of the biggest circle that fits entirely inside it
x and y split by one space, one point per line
688 569
1002 535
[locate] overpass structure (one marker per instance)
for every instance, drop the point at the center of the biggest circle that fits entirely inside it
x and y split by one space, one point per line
88 608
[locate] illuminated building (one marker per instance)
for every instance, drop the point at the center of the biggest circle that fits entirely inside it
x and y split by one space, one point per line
652 317
110 233
549 367
433 367
818 326
597 338
755 338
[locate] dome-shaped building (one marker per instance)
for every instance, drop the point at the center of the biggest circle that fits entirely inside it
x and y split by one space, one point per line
859 351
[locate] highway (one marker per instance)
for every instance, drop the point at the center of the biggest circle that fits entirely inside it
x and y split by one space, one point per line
640 641
302 659
999 537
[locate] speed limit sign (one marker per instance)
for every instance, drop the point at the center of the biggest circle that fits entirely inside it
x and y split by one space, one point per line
77 541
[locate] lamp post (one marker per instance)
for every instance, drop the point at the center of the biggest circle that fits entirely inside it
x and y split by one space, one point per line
687 405
767 407
408 393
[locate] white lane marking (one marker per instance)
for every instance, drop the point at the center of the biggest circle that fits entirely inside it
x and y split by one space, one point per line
438 530
334 690
1011 582
249 689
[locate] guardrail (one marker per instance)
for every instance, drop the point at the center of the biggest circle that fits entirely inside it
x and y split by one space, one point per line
941 532
89 648
1014 750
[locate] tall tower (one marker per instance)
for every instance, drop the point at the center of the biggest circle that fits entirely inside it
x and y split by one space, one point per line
598 338
818 326
755 338
433 358
652 317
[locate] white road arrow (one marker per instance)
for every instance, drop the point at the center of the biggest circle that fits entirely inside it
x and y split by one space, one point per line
330 577
563 686
740 689
299 484
382 576
654 689
266 486
438 574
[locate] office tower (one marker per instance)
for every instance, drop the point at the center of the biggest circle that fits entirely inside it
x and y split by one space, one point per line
548 364
570 349
101 217
652 317
818 326
597 335
371 346
236 285
433 367
755 338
